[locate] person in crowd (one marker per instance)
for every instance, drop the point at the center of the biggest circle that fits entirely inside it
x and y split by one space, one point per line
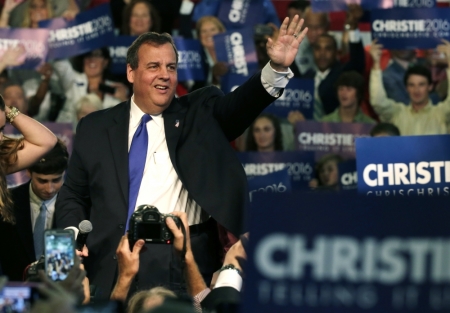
384 130
265 134
207 27
148 299
86 105
14 96
420 117
186 134
350 92
327 173
297 7
34 205
92 79
318 24
139 16
19 154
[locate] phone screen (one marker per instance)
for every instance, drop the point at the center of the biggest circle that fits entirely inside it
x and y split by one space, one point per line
59 253
17 297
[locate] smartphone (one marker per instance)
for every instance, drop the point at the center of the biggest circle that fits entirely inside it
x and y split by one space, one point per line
18 297
59 253
106 89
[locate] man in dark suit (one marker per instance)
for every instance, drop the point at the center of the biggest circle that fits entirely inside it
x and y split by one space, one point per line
188 164
21 244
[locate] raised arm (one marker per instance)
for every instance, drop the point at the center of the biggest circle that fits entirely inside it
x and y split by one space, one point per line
445 105
385 107
37 139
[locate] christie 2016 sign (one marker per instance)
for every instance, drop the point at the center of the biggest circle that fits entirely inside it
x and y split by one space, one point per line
322 253
404 166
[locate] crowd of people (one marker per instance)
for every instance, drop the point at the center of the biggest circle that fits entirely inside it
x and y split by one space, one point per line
192 134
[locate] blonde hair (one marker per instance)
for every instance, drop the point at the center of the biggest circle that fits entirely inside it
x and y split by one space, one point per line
26 18
137 301
90 99
212 19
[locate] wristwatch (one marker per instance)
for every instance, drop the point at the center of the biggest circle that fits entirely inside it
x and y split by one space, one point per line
231 267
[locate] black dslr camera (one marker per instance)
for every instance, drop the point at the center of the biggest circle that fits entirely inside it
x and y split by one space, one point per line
149 224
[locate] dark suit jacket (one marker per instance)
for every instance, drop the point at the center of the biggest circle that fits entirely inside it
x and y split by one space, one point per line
96 186
16 241
327 90
223 296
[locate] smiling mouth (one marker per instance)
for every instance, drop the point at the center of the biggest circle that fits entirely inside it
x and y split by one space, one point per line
161 87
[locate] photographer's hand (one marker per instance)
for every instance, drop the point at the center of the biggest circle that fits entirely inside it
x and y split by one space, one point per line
128 262
57 298
74 281
194 280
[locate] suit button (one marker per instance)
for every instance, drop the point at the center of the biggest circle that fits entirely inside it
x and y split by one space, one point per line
115 257
120 226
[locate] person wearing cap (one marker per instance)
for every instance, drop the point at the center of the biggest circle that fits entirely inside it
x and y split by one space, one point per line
92 79
34 203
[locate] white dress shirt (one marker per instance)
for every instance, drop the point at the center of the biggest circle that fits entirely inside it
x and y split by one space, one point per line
35 207
160 185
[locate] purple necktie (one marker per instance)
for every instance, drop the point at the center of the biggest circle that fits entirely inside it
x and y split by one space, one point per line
136 163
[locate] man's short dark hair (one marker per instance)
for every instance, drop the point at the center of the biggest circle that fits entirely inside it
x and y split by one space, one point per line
385 128
352 79
149 38
418 70
54 162
299 5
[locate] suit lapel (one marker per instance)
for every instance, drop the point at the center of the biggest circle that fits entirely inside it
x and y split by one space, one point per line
22 212
173 126
118 139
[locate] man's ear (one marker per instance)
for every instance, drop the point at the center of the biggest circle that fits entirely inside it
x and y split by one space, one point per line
130 74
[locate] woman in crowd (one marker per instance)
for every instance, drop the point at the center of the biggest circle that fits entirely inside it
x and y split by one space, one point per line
207 27
92 79
35 11
265 134
140 17
18 154
327 173
87 104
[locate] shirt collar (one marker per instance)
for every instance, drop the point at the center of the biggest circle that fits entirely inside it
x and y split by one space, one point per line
136 115
323 74
425 108
38 201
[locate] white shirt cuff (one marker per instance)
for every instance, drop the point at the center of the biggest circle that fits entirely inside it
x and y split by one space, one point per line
75 231
229 278
354 36
274 81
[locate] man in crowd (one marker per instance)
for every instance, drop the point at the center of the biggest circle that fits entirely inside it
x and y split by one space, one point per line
172 153
421 117
34 206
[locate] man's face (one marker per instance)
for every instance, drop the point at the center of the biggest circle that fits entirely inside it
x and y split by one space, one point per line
347 96
155 79
14 96
46 186
418 89
324 53
317 26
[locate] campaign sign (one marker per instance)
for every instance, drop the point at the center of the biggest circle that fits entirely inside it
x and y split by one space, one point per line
118 52
89 30
297 96
241 13
275 182
237 49
348 177
63 131
342 5
329 252
299 165
325 138
410 28
34 42
404 166
190 59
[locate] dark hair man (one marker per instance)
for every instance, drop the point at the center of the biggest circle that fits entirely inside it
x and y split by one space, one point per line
350 91
34 206
421 117
172 153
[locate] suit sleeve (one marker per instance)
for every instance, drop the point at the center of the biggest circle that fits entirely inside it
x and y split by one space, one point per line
357 61
73 202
